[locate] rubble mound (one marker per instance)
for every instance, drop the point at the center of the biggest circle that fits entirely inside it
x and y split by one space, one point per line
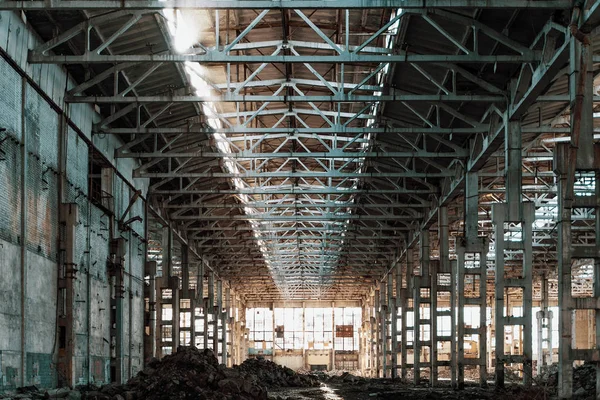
584 380
271 375
187 374
346 377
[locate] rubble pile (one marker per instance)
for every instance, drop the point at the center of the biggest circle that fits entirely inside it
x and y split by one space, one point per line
187 374
346 377
271 375
584 380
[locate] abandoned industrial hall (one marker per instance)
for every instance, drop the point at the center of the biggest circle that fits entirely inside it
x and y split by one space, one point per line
344 199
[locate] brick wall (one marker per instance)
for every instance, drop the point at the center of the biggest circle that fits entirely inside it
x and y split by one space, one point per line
30 118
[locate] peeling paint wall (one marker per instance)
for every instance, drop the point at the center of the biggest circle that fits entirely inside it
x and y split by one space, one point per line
32 172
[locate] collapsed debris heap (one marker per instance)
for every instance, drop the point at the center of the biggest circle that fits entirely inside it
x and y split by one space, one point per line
187 374
271 375
584 380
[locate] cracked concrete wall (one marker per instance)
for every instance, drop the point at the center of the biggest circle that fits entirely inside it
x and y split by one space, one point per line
33 113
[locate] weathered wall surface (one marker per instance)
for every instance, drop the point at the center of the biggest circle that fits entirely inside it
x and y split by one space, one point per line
44 162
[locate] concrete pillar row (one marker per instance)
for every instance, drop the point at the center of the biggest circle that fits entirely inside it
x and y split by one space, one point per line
471 251
581 156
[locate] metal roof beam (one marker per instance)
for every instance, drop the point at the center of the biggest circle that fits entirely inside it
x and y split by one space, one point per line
280 4
292 175
216 57
335 154
293 218
337 98
336 129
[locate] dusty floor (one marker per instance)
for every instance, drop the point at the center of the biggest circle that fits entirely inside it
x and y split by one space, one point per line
389 390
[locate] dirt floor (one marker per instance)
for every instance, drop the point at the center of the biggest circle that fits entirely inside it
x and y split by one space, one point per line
391 390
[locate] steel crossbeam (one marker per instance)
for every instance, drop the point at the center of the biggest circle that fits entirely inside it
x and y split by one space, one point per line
279 4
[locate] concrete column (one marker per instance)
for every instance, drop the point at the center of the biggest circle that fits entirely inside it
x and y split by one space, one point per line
200 299
565 322
433 315
116 272
158 342
416 297
228 328
69 215
596 269
150 294
69 266
185 271
383 327
333 334
446 267
406 294
471 249
186 292
211 310
221 315
375 338
397 305
390 317
513 165
206 309
175 304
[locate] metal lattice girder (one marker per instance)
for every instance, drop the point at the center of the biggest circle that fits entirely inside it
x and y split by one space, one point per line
282 189
338 155
280 4
214 57
273 229
318 205
322 132
335 174
340 98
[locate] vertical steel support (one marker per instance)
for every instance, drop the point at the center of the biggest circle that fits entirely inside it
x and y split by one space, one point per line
150 295
187 294
382 339
408 308
221 316
437 268
175 306
433 315
228 326
376 328
416 308
211 311
520 217
116 273
471 262
501 214
390 325
403 322
397 306
200 302
544 326
420 282
568 200
578 156
67 323
565 322
69 219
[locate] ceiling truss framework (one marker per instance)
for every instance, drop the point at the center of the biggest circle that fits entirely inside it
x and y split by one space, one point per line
304 146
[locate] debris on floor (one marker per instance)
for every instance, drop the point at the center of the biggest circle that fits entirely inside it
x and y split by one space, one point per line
196 374
187 374
270 374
